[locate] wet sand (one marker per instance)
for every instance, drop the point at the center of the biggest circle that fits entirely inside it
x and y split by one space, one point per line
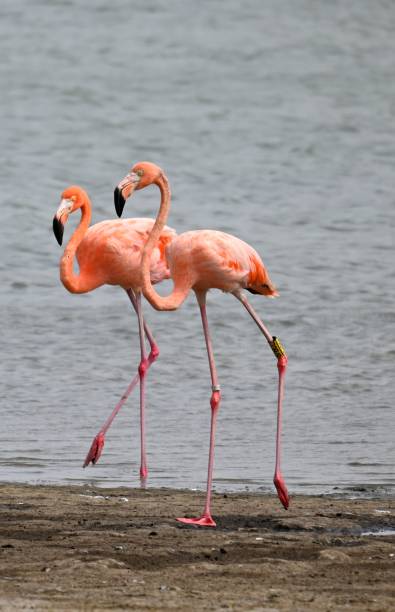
79 548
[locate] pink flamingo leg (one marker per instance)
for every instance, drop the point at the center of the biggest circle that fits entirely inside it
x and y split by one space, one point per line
154 353
206 519
97 445
282 361
278 479
143 368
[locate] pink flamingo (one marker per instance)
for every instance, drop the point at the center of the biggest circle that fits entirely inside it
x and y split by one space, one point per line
110 253
203 260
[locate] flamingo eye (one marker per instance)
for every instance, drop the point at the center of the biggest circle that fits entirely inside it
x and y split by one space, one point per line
73 198
140 172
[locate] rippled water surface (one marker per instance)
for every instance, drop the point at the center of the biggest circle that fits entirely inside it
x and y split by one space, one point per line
276 125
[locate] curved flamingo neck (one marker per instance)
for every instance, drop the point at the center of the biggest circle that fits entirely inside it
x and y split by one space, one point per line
73 282
180 292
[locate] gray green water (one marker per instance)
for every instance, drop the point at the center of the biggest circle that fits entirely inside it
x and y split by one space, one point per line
275 122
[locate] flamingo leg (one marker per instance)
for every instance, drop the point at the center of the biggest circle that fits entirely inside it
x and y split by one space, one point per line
154 353
97 445
282 361
143 368
206 519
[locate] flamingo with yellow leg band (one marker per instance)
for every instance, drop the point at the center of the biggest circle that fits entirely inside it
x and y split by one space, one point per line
202 260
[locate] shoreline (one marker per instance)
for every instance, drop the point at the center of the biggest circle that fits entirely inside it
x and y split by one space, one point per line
91 548
355 491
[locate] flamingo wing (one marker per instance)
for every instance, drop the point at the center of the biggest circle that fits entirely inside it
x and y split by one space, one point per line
219 260
113 249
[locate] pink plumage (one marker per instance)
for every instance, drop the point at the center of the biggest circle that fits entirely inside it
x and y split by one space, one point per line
202 260
110 253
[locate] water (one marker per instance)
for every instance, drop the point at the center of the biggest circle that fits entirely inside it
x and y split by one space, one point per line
275 125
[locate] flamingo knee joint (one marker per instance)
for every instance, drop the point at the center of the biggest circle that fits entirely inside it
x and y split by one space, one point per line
143 367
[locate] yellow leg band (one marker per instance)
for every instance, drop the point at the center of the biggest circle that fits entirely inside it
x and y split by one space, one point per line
277 348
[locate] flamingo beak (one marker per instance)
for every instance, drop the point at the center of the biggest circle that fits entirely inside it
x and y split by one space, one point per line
119 201
60 219
58 228
124 190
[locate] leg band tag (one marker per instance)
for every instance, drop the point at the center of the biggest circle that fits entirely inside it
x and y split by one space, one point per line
216 388
277 348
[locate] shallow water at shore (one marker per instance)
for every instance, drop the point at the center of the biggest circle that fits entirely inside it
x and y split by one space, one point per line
276 128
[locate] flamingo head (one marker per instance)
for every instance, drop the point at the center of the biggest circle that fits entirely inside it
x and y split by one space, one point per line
141 175
71 200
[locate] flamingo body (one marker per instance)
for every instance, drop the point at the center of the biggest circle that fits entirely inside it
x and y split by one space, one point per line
210 259
110 253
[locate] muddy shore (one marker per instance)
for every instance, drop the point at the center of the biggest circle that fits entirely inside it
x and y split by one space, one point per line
79 548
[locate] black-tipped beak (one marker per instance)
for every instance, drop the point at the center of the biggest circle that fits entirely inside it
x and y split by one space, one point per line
124 190
119 201
58 229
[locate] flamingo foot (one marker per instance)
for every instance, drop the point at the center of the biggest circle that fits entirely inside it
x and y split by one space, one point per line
95 450
204 521
282 491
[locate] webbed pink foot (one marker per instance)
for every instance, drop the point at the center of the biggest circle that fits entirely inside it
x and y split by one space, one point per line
204 521
95 450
